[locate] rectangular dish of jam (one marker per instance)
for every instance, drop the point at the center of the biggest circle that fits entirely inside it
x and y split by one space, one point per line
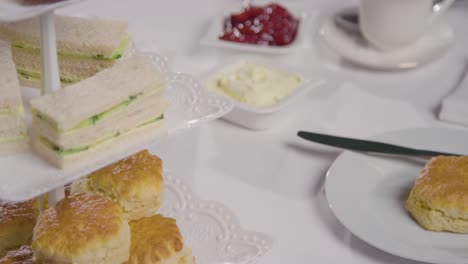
263 28
271 25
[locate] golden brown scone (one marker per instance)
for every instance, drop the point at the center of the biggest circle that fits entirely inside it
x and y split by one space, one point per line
439 198
82 229
135 183
157 240
17 221
23 255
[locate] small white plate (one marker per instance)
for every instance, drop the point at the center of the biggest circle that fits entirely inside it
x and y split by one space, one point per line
353 47
211 37
26 175
13 10
261 118
368 193
209 228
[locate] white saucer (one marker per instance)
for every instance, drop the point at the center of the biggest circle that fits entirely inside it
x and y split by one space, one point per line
368 193
353 47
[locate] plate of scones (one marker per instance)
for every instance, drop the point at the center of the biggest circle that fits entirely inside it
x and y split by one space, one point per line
131 211
412 208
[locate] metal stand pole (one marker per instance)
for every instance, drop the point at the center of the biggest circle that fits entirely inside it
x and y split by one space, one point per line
50 70
50 75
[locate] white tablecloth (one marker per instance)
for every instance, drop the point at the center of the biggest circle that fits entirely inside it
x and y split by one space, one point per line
272 180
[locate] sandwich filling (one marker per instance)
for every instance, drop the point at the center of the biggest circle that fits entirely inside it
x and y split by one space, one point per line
14 129
12 111
12 139
93 120
64 152
28 75
116 55
13 126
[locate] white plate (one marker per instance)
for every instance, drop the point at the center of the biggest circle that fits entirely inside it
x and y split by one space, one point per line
209 228
12 10
260 118
367 194
353 47
26 175
211 37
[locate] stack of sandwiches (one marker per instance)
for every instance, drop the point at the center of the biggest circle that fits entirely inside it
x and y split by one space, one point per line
91 119
13 134
85 46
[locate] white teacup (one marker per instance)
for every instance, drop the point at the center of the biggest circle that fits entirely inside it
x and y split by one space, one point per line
394 24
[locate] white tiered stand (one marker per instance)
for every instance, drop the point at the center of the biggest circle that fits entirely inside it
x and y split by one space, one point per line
11 11
190 105
50 74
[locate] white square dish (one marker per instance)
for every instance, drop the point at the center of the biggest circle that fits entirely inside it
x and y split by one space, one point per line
261 118
211 37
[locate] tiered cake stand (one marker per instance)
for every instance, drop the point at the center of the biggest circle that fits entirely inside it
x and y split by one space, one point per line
25 175
12 11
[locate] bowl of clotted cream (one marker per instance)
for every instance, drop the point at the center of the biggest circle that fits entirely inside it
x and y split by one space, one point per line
261 91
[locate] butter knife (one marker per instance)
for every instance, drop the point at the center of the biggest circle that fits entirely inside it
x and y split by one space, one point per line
369 146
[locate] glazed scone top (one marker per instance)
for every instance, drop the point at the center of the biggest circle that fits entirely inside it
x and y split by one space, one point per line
154 239
18 213
23 255
138 176
77 224
443 186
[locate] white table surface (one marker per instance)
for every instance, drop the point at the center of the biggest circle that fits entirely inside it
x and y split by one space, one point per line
272 180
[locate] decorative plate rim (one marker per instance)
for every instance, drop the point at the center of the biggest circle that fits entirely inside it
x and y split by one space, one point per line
190 205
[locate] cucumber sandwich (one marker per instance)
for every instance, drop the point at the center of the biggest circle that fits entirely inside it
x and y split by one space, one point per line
96 117
13 134
85 47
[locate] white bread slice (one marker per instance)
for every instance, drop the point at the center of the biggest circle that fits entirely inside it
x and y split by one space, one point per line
12 127
10 94
112 149
75 35
73 68
80 101
35 83
3 32
13 131
30 82
128 118
11 148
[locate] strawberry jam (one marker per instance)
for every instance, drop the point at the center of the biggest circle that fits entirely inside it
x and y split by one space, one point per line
271 25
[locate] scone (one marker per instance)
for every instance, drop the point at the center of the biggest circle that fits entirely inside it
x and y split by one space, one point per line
135 183
439 198
82 229
157 240
17 221
23 255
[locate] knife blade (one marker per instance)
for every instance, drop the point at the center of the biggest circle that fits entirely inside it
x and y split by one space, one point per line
369 146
